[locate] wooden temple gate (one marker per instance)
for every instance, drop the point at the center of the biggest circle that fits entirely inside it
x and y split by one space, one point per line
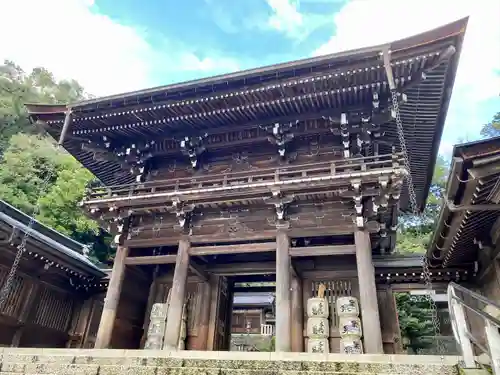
291 173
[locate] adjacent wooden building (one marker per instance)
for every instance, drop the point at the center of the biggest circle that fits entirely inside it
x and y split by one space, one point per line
253 313
468 231
56 296
467 234
291 173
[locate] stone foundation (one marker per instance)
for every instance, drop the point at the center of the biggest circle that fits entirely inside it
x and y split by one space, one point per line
153 362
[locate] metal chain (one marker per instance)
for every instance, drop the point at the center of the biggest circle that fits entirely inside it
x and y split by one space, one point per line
7 286
414 208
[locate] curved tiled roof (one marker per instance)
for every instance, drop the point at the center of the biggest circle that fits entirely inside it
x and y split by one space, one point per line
298 90
58 245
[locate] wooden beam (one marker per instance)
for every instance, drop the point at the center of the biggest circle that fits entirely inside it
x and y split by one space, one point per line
439 287
148 260
329 274
243 269
255 289
233 249
310 251
198 271
171 238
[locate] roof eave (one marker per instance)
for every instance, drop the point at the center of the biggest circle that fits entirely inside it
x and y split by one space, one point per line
50 239
428 37
460 165
449 83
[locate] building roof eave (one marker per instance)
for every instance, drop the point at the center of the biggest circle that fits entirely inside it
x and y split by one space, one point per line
57 244
484 156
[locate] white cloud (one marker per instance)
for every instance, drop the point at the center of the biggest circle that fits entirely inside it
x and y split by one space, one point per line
72 40
363 23
191 62
285 16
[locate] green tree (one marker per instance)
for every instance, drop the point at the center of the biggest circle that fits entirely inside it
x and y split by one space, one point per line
18 88
414 316
414 232
26 164
28 158
492 128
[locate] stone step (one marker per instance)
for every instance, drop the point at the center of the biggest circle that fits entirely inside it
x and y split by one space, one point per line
149 370
157 362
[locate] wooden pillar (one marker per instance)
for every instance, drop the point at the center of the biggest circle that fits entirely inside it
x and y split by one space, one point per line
297 316
368 294
283 302
108 315
177 296
389 322
307 292
214 312
206 292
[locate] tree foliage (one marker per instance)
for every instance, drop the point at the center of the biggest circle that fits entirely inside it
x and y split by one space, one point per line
415 232
492 128
18 88
415 322
33 171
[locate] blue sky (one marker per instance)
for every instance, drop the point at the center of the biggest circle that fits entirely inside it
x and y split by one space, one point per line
111 46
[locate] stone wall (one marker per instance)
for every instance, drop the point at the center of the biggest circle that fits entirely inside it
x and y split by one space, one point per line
151 362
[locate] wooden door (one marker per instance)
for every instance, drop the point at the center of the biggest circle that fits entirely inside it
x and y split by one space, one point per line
220 314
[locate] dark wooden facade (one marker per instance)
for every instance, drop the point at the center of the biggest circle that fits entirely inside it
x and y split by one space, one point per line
56 296
469 225
291 173
468 231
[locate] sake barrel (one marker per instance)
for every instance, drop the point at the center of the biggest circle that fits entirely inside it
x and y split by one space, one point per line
154 343
350 326
347 306
318 327
351 345
318 346
317 307
159 311
156 328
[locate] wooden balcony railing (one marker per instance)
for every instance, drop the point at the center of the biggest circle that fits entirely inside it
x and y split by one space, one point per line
293 174
267 330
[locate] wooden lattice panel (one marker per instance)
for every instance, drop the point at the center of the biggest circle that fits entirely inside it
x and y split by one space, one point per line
54 309
15 297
